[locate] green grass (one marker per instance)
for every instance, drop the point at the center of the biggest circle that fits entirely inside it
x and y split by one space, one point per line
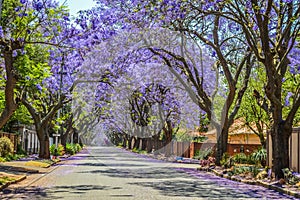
6 179
139 151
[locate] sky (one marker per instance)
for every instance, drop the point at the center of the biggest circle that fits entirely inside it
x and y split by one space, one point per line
77 5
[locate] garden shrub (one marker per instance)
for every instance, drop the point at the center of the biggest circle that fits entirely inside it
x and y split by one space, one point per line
78 147
6 147
242 158
226 160
73 148
245 169
203 154
20 150
290 177
210 162
260 156
262 175
70 149
60 150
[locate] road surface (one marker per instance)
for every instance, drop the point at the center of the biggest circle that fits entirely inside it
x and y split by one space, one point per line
104 173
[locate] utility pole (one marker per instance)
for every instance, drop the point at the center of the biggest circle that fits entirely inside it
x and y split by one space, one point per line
59 99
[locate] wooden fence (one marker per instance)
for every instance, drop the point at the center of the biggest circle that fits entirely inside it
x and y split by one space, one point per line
13 138
189 149
294 151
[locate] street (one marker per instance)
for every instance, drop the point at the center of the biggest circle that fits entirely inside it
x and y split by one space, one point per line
113 173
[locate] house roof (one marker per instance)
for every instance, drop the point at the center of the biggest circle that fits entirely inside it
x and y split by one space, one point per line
238 127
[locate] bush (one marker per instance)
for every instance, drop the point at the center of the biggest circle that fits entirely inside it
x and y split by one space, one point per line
20 150
59 152
6 147
73 148
70 149
246 169
203 154
209 162
242 158
78 147
226 160
260 156
290 176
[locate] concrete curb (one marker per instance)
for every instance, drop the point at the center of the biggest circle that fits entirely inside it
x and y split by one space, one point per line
12 182
26 170
256 182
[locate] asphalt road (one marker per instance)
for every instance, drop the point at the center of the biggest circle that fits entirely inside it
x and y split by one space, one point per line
106 173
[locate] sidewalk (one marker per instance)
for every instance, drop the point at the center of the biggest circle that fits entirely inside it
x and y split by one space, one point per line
17 171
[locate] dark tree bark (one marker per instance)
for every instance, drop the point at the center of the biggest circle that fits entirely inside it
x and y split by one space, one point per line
66 136
125 140
11 103
144 144
149 145
155 139
137 143
168 131
43 137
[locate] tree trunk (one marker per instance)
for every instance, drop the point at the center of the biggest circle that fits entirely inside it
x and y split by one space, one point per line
65 136
155 139
130 142
44 143
149 145
262 141
133 142
168 133
144 144
10 102
124 141
221 145
280 148
137 143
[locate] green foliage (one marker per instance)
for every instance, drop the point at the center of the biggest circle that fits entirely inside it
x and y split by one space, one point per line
11 156
242 158
78 147
183 136
20 150
291 85
226 162
199 139
57 152
203 154
290 177
260 156
73 148
246 169
6 147
135 150
70 149
6 179
20 116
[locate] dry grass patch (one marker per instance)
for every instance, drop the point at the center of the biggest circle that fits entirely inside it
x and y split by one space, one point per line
40 163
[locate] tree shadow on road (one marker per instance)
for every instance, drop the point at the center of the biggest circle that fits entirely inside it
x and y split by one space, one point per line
139 173
51 193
